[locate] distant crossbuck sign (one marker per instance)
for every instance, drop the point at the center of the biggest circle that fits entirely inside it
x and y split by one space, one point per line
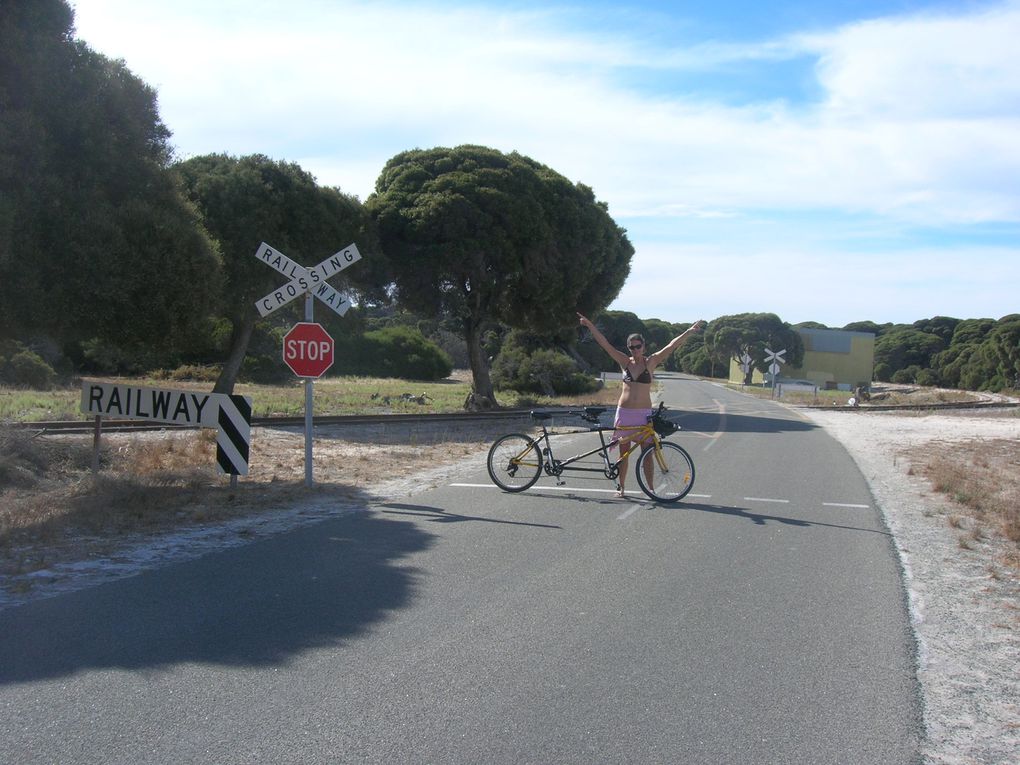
305 280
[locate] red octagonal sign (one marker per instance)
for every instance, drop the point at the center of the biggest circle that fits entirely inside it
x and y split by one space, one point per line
308 349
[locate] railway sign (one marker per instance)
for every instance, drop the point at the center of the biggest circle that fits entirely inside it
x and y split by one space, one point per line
776 357
230 415
305 281
308 349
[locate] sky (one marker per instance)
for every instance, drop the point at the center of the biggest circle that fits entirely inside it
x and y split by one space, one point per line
823 160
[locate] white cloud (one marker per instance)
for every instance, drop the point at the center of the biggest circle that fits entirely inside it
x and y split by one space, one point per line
919 119
916 125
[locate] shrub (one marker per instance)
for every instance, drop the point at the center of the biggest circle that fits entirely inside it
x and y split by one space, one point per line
394 351
907 375
195 373
697 363
27 369
882 372
927 378
262 368
545 371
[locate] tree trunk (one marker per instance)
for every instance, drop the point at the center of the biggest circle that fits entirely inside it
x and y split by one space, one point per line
240 336
482 396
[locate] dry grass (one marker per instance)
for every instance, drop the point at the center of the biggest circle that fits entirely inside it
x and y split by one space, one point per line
52 508
983 478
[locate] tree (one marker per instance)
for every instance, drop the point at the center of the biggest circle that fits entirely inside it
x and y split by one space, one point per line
730 337
616 326
902 348
868 326
484 236
942 327
90 215
248 200
1005 342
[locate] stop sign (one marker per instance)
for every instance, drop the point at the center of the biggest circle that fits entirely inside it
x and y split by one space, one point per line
308 349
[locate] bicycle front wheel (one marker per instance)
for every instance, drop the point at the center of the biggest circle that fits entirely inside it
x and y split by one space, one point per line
665 474
515 462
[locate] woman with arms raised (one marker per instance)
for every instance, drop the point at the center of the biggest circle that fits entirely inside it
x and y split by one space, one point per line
635 404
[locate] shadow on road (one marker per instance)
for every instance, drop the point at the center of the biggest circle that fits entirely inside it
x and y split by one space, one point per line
761 519
437 514
712 422
258 604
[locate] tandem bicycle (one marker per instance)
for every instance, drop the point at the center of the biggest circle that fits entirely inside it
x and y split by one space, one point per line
664 471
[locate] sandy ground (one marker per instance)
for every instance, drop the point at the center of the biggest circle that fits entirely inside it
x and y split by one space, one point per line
966 616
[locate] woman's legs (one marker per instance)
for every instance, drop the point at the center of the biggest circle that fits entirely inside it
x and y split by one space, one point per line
624 447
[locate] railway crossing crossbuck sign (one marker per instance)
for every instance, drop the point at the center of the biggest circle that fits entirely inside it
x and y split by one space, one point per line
305 280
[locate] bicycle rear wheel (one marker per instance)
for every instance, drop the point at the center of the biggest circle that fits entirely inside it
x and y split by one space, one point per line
665 474
514 462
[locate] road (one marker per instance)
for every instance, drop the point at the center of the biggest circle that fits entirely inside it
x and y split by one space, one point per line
762 620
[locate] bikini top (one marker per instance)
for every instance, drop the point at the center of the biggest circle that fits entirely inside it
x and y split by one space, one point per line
644 377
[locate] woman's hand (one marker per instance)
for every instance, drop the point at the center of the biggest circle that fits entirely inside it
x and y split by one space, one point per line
585 322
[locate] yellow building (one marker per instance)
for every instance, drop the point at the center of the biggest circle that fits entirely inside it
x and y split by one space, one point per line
832 359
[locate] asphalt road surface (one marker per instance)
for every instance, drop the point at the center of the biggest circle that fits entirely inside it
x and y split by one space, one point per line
761 620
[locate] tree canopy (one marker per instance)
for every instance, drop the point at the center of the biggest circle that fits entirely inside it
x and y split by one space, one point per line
751 333
486 236
248 200
90 215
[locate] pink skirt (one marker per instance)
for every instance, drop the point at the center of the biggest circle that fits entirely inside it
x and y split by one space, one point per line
629 418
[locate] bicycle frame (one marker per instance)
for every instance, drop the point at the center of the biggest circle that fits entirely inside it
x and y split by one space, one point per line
611 470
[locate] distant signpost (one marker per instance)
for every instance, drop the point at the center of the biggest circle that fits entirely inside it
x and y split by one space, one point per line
776 357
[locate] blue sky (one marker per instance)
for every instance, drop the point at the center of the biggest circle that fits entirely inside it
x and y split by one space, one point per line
824 161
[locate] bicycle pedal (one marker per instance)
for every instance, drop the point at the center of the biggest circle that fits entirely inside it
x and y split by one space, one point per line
561 483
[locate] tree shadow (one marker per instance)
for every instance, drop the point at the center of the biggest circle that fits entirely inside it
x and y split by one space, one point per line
253 605
713 422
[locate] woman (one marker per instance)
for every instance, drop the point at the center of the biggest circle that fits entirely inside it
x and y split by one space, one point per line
635 404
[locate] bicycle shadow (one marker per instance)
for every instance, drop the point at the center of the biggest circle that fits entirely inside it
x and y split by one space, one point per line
759 519
439 515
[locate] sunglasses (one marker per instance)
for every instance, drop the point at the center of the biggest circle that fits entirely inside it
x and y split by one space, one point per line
635 347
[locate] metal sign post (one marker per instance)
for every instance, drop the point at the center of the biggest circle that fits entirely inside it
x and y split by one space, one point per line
309 418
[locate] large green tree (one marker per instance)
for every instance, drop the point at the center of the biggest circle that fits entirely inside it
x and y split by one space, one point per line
485 236
751 333
96 237
248 200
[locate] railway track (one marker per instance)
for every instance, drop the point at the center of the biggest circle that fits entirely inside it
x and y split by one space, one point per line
139 426
450 418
